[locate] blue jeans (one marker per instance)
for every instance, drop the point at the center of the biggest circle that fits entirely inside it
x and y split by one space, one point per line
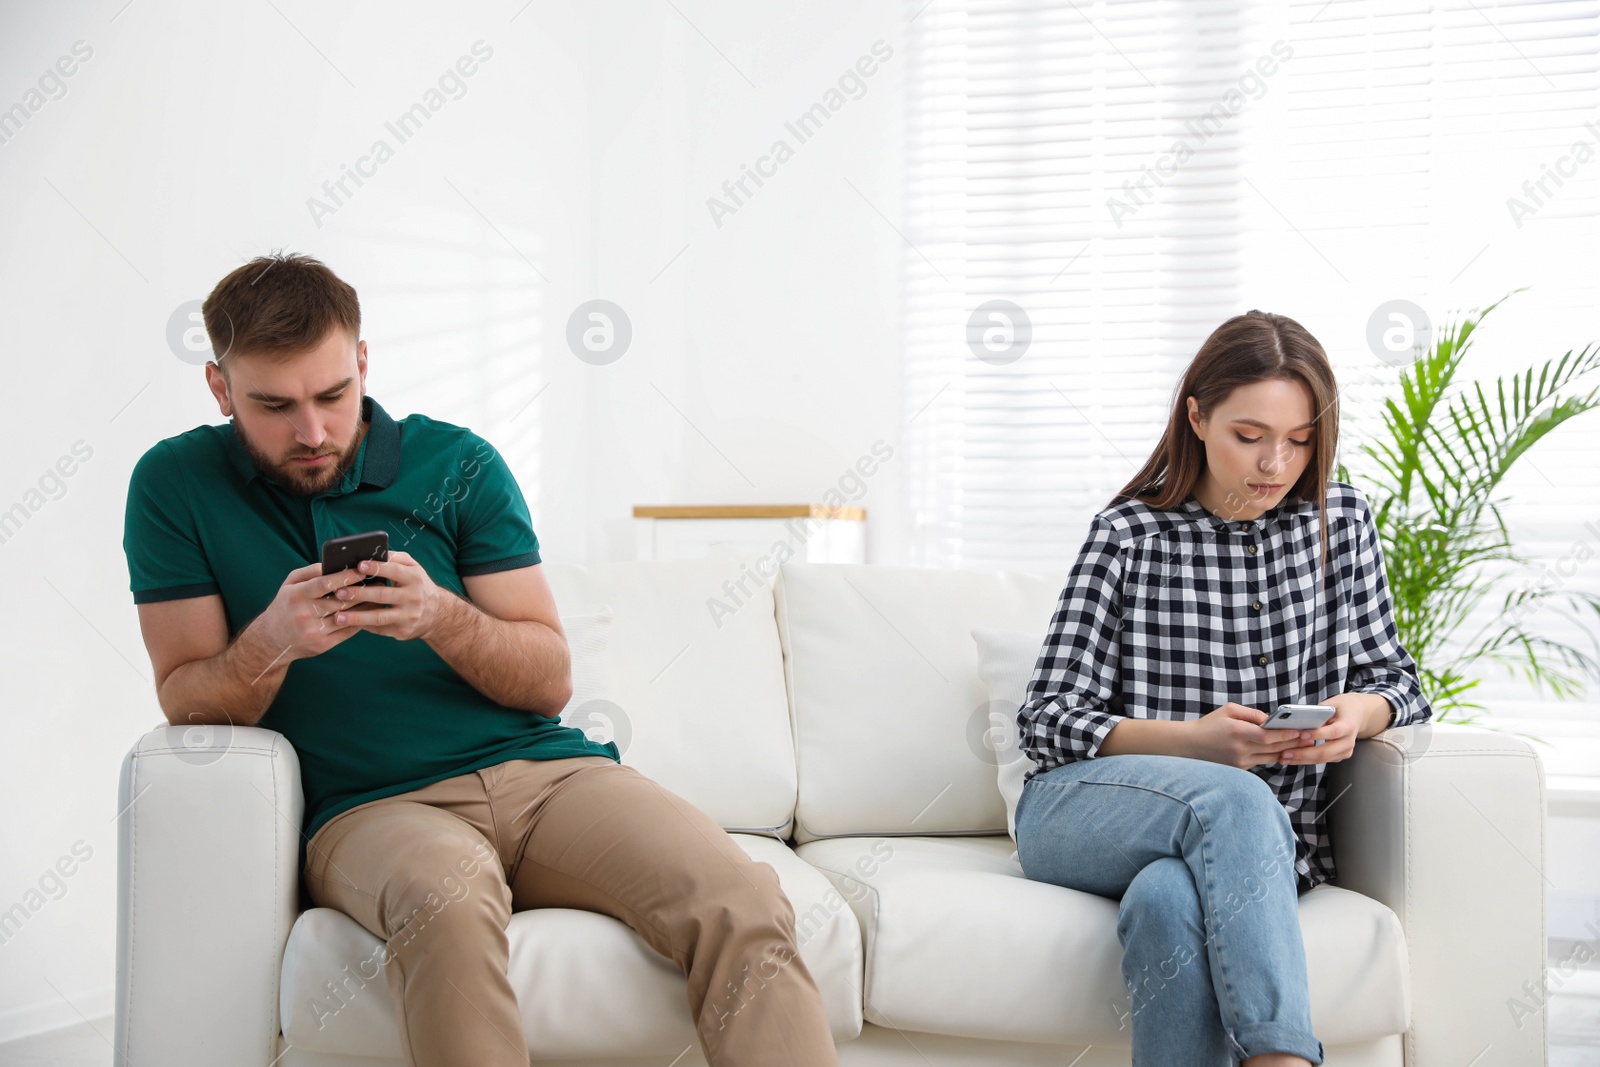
1188 846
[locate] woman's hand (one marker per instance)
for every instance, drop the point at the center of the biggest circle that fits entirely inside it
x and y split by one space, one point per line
408 609
1340 733
1233 735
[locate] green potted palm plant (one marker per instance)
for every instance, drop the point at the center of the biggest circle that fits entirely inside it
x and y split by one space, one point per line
1433 475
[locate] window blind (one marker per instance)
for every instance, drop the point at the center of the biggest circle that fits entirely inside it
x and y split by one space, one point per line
1445 154
1131 173
1043 169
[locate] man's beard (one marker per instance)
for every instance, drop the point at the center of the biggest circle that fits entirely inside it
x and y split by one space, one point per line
296 478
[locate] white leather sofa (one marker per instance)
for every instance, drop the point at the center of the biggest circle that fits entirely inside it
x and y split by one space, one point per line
825 719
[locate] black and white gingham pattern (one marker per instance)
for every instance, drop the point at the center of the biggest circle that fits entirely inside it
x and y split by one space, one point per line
1168 614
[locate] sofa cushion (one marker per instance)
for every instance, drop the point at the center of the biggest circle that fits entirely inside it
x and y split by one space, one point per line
698 699
1006 661
960 942
589 643
587 985
889 712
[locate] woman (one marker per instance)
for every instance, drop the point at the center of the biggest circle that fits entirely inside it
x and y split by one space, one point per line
1228 577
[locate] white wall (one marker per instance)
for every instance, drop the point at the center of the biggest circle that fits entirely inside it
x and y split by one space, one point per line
765 357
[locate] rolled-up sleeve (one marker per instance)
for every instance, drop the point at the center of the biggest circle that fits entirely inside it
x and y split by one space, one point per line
1067 712
1378 662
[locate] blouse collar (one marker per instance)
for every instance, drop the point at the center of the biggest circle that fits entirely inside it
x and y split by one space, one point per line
1285 509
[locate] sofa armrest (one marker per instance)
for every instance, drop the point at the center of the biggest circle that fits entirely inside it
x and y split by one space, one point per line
208 850
1445 824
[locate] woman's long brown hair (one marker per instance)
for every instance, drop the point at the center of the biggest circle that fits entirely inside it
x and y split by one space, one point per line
1253 347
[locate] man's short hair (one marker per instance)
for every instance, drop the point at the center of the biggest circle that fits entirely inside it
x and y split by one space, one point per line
277 305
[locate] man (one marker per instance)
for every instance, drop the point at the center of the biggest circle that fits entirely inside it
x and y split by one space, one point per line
441 791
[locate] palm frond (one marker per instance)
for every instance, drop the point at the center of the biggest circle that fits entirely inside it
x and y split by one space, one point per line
1436 470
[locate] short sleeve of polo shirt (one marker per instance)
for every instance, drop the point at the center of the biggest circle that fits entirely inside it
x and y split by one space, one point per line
495 532
165 558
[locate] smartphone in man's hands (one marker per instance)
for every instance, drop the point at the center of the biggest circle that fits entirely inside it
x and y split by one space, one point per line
343 553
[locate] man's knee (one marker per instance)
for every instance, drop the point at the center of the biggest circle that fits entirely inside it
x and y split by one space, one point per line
742 900
444 882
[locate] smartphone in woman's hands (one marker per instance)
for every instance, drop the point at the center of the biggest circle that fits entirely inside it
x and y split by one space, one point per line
1300 717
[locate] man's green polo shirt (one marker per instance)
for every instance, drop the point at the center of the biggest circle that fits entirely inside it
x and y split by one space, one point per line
372 716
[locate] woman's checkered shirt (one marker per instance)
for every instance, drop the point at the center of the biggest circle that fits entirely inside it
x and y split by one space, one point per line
1169 614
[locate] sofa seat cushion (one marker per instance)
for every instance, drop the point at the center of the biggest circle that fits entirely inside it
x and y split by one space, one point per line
960 942
586 983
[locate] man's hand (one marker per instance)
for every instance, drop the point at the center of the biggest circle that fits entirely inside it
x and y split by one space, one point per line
299 622
407 610
1352 713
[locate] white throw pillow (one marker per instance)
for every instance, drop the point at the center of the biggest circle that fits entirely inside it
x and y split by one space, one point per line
1006 659
589 642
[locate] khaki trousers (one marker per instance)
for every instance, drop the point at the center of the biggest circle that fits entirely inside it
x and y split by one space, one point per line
437 872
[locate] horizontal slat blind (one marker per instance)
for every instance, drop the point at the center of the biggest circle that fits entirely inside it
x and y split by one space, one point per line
1025 121
1385 164
1367 150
